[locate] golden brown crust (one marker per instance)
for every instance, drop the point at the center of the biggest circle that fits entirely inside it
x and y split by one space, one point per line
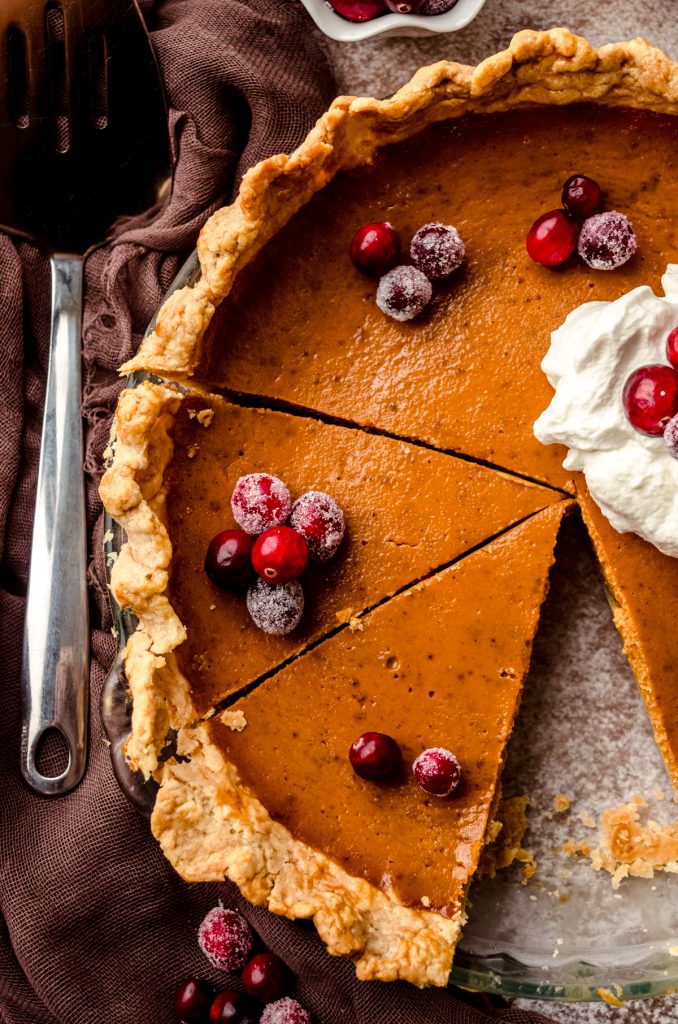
552 67
211 827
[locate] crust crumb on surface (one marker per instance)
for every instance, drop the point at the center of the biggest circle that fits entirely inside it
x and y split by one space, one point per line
561 803
504 838
211 827
610 997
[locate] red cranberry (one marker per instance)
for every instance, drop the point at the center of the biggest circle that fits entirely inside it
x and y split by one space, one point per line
403 293
375 756
650 398
672 347
228 562
375 248
358 10
582 196
276 610
280 555
229 1008
225 938
433 7
320 521
265 977
285 1011
607 240
192 1001
437 250
259 502
671 437
404 6
437 771
552 238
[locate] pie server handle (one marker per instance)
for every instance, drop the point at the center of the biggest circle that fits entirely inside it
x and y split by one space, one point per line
55 667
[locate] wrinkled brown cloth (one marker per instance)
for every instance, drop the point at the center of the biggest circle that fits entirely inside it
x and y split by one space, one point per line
95 924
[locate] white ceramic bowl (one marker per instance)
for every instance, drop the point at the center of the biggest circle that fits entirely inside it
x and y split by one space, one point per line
389 24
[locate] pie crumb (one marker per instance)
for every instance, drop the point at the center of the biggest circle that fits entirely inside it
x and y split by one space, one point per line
673 950
610 998
561 803
192 450
587 819
234 720
504 839
205 417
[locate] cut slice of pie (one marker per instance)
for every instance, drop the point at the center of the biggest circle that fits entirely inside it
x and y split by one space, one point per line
269 798
642 584
409 511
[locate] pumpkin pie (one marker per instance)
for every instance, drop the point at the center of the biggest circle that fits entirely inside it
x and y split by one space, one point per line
288 333
381 868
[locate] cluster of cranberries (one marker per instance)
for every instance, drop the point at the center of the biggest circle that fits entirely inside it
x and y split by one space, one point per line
228 943
405 289
604 241
376 757
650 397
274 542
367 10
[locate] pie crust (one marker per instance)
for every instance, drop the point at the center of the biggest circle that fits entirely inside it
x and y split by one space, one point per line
353 917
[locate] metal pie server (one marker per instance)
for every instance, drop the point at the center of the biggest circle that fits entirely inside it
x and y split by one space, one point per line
83 143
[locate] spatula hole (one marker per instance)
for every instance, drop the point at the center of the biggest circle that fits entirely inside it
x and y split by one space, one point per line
18 78
58 77
98 79
52 756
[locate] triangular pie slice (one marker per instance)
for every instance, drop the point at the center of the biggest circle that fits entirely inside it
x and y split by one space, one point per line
409 511
269 799
642 584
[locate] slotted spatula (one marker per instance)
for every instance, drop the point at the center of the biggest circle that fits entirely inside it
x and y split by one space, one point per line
83 143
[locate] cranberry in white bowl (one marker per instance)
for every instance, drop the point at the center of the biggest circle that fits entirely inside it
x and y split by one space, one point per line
391 24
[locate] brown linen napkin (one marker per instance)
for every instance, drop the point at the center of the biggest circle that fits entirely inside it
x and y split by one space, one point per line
96 926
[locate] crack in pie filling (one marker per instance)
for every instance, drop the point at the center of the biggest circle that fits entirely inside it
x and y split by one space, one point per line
421 626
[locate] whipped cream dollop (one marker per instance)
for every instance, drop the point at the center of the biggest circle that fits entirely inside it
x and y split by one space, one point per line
632 478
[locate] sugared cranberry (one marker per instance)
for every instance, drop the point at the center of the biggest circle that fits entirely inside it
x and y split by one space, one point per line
404 6
403 293
260 502
552 238
265 977
230 1008
607 240
375 756
228 562
280 555
582 196
276 610
285 1011
650 398
437 250
358 10
320 521
225 938
671 437
437 771
375 248
672 347
192 1001
433 7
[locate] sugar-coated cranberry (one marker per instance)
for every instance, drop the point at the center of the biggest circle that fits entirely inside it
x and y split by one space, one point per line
403 293
671 437
192 1000
259 502
437 771
358 10
672 347
607 240
280 555
552 238
276 610
230 1008
266 977
225 938
650 398
375 248
433 7
320 521
375 756
228 562
437 250
404 6
285 1011
582 196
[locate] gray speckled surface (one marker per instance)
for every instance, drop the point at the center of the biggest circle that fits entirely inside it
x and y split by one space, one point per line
379 66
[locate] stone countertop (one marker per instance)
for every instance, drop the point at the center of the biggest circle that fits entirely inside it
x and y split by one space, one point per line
378 67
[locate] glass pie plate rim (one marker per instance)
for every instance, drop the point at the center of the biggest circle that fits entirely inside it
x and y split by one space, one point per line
641 970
